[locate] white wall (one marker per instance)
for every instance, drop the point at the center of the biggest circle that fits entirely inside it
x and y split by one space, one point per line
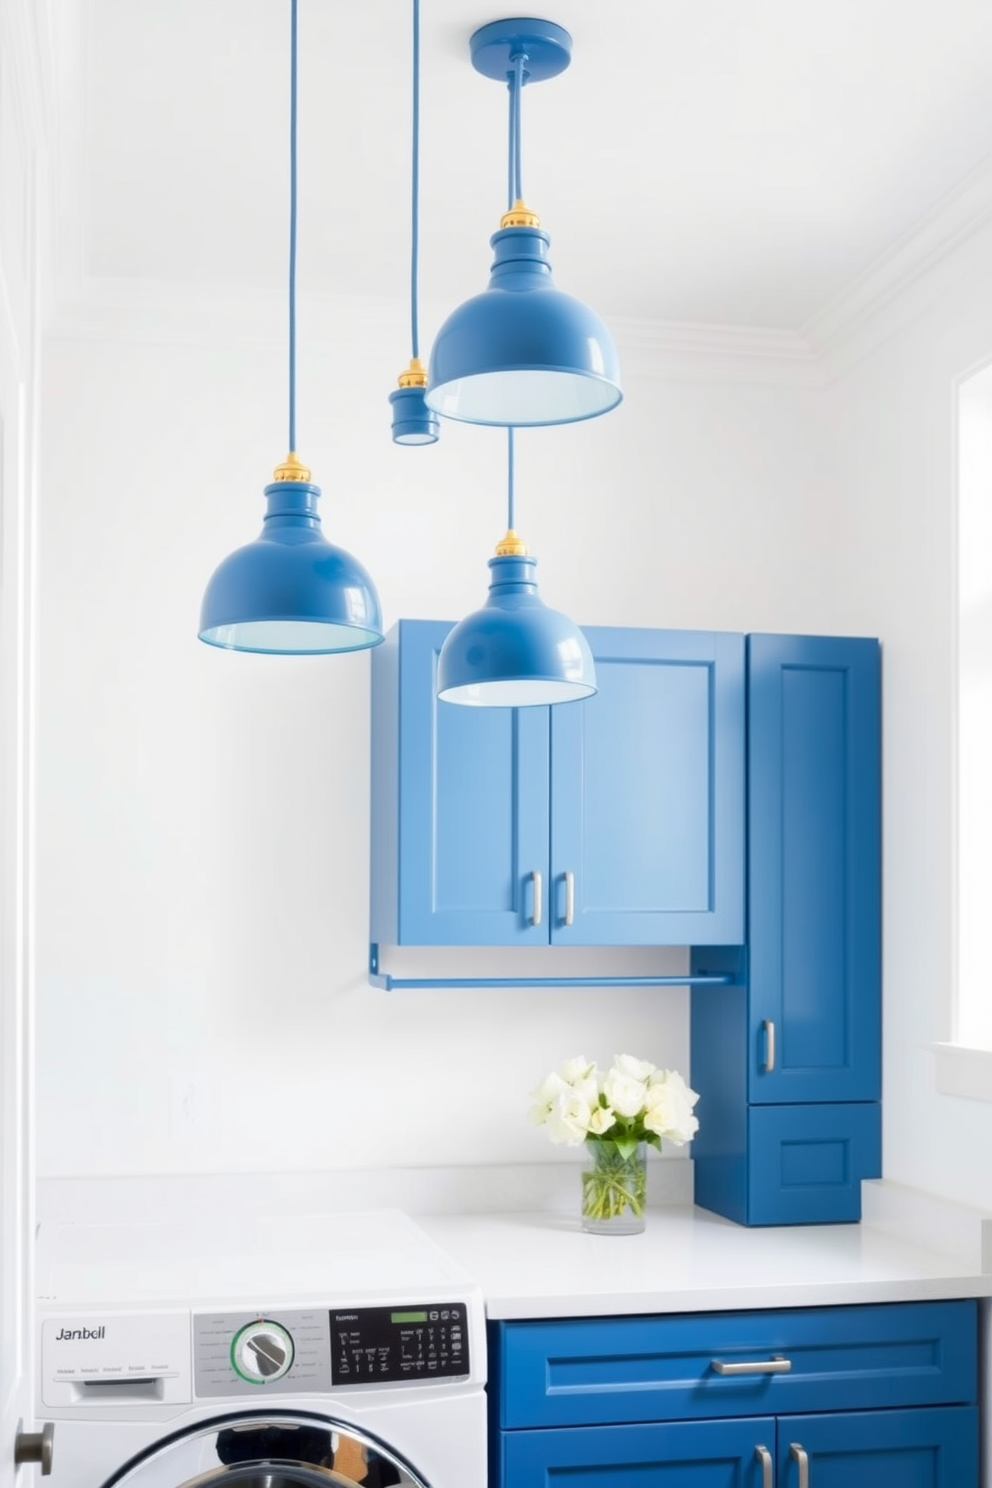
202 817
893 419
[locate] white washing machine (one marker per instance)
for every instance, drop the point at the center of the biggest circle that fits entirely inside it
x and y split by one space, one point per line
341 1349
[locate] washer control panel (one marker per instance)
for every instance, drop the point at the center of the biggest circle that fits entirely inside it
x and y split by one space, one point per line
238 1353
418 1342
294 1350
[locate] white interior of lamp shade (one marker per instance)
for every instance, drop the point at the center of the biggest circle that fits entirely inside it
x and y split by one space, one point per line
517 692
524 396
290 637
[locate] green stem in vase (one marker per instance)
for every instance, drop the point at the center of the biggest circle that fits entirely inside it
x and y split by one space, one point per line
616 1181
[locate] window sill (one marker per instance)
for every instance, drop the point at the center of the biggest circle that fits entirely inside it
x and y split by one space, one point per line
963 1071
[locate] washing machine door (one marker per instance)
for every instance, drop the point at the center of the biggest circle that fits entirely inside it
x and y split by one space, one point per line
286 1449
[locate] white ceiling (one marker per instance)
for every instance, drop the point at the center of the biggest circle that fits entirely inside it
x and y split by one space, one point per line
737 162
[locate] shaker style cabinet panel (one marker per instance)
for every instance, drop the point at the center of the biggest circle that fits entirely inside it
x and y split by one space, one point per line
787 1060
616 1370
814 863
614 821
683 1454
869 1449
460 800
647 793
819 1397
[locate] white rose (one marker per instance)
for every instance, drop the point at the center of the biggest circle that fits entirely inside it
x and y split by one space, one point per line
600 1120
575 1070
669 1111
673 1078
544 1097
568 1119
625 1094
637 1069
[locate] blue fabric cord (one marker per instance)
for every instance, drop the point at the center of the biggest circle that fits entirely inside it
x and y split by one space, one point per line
292 229
415 177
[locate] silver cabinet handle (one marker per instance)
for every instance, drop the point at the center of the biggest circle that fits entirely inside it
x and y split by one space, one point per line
569 898
36 1446
775 1365
798 1455
765 1458
535 917
769 1028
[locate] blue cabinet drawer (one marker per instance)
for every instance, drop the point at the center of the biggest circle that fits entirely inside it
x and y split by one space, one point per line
612 1370
805 1163
685 1454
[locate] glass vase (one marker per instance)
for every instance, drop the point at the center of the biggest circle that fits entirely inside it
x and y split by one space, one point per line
614 1187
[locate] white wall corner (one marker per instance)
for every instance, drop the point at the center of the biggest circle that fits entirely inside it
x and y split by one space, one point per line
934 1223
945 245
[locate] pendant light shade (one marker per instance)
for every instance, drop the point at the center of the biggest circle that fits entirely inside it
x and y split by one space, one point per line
515 652
413 421
291 592
522 352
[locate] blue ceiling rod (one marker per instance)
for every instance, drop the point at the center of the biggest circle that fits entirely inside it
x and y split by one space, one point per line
522 353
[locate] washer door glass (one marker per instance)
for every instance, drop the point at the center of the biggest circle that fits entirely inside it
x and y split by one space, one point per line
268 1450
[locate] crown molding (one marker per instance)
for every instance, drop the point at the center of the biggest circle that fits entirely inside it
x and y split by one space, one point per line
139 311
699 352
940 248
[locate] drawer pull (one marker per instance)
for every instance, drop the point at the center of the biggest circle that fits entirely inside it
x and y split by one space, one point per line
798 1455
769 1028
765 1458
775 1365
535 917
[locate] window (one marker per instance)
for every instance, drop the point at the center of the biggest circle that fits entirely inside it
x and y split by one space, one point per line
964 1064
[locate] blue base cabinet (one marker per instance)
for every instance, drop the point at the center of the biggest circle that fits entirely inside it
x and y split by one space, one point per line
615 821
847 1397
787 1060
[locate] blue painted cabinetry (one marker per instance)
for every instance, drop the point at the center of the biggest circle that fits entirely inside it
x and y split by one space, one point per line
787 1060
615 821
844 1397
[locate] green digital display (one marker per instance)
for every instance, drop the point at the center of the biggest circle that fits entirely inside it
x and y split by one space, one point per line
408 1317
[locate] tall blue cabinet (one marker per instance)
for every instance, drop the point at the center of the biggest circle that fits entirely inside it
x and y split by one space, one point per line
615 821
787 1059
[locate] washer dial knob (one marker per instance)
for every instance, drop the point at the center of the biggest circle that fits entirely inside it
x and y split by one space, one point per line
262 1352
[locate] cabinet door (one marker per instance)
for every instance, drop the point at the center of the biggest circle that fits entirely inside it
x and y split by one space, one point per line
647 794
683 1454
459 807
933 1448
814 869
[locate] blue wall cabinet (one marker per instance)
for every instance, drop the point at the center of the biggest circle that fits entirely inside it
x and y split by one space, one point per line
788 1060
614 821
853 1397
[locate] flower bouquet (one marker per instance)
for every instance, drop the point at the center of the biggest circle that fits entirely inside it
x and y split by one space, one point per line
616 1116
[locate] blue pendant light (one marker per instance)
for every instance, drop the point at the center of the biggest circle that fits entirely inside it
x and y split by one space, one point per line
413 421
514 652
291 592
522 352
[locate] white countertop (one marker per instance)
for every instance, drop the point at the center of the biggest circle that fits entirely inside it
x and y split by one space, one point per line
689 1260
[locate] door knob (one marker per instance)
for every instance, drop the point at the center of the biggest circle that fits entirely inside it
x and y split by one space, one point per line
36 1446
